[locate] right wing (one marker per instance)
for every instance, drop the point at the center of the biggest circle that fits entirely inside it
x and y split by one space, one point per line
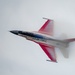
50 52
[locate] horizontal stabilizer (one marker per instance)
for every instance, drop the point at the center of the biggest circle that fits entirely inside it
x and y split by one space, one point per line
71 40
65 52
62 36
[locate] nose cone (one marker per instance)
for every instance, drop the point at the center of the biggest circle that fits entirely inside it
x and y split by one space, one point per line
14 32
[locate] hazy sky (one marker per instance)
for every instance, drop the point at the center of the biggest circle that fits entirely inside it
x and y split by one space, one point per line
19 56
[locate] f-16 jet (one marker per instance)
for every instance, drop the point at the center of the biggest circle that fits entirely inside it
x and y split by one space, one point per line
44 37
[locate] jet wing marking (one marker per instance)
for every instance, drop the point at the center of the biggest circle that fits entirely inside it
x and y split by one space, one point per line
50 52
47 28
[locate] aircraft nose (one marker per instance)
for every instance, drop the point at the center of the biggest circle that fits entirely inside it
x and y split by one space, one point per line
14 32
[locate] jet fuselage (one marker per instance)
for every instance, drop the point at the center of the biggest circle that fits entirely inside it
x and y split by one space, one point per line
41 38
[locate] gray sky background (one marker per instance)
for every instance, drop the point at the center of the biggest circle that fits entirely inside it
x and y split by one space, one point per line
19 56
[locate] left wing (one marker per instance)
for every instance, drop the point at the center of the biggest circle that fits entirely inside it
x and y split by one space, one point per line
50 52
47 28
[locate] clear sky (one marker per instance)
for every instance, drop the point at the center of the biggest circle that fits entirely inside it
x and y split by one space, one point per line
19 56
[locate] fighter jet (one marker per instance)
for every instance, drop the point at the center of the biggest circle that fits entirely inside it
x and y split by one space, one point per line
44 37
